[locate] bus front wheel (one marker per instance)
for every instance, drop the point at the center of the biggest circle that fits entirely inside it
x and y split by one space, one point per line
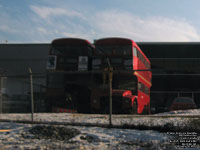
134 108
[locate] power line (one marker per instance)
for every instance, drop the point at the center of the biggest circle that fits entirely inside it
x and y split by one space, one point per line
176 74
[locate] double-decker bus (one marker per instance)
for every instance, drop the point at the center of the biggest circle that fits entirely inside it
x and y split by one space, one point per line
131 79
67 84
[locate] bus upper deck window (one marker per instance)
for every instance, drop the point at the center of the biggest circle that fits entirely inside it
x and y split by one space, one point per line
126 50
135 51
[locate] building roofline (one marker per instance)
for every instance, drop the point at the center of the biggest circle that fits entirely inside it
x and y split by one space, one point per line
170 43
14 44
137 42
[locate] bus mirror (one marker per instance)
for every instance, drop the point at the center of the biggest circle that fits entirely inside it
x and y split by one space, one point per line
51 62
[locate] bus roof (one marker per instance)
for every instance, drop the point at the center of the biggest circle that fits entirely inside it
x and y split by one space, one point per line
70 41
113 40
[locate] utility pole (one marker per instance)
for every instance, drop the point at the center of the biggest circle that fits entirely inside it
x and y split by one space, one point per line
31 87
1 98
2 91
110 73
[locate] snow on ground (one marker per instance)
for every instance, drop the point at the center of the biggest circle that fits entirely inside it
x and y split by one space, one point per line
90 138
19 138
182 112
104 119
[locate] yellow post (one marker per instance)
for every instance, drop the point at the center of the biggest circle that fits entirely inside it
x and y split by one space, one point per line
1 96
5 130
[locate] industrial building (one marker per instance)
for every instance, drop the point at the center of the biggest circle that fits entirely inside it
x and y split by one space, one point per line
175 69
15 61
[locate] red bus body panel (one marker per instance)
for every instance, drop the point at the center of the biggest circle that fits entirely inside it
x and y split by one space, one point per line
143 99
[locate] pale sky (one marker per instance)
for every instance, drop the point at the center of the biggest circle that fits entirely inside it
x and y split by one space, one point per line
41 21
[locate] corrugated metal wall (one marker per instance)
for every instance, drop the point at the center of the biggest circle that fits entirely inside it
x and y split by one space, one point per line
15 60
175 70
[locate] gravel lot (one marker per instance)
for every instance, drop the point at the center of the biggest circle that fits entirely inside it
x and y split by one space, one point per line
45 137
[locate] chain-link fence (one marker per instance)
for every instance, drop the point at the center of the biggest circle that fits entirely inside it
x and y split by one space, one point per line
15 95
162 100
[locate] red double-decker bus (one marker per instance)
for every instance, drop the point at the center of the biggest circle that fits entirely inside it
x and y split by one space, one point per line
67 84
131 79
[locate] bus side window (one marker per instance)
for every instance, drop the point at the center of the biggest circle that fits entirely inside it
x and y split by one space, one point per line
139 86
146 90
134 51
143 88
140 56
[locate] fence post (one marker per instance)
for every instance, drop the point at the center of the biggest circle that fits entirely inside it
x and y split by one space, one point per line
32 100
110 94
1 98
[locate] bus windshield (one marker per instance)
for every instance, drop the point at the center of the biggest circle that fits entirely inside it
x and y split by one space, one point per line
125 82
114 49
69 50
